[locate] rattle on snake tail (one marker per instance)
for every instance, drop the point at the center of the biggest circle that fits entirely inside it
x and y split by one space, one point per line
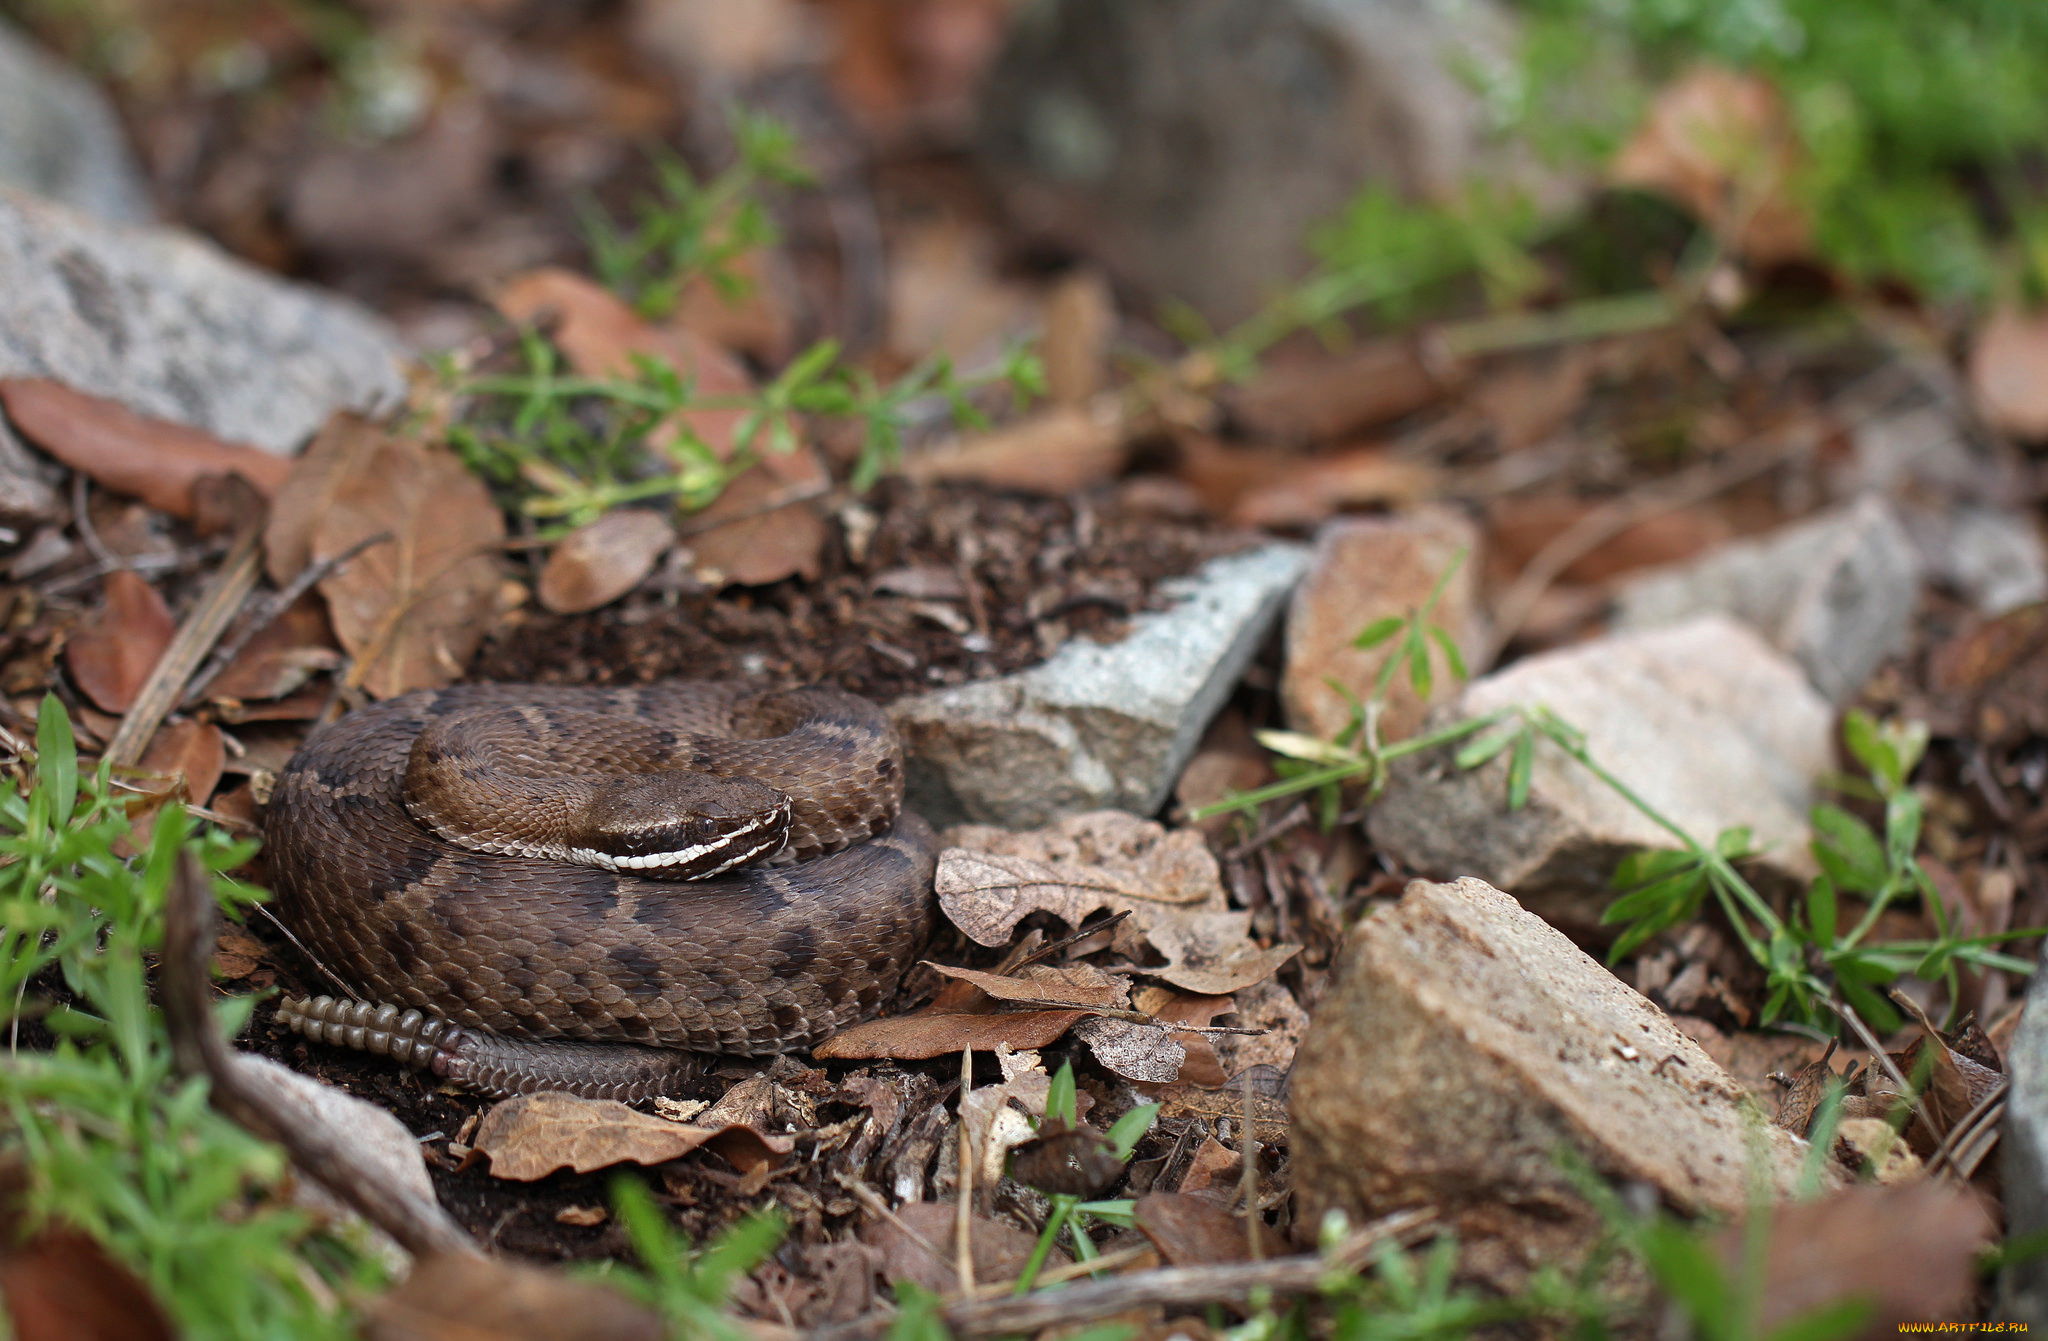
495 868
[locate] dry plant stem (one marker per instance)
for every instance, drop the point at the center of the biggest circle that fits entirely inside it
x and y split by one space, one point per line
870 1199
773 503
81 513
963 1220
1973 1139
1609 520
341 988
267 612
1248 1181
420 1226
218 604
1183 1287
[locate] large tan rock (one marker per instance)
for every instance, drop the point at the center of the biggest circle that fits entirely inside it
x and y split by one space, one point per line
1467 1049
1706 721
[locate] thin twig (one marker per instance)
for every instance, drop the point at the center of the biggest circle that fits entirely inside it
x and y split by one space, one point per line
218 604
963 1220
1292 818
339 986
318 1147
81 514
773 503
1183 1287
1248 1180
268 610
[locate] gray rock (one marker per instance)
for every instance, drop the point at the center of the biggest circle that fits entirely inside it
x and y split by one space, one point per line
1465 1044
1191 144
1835 592
59 136
2023 1142
1705 721
1097 726
173 327
1993 559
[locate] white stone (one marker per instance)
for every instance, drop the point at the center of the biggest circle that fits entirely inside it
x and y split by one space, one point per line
1099 726
59 136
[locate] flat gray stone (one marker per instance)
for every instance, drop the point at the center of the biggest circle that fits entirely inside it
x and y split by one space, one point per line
1097 726
59 136
1992 558
173 327
1704 720
2023 1146
1835 592
1190 145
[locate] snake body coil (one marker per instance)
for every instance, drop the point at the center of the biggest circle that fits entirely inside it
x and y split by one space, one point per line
554 975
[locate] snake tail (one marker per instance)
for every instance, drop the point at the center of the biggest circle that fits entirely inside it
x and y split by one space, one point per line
491 1065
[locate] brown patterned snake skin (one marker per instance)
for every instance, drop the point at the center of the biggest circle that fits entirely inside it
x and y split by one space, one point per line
523 973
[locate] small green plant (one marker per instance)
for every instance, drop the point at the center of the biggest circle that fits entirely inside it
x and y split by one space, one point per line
571 448
1357 756
113 1141
691 229
688 1290
1807 954
1069 1211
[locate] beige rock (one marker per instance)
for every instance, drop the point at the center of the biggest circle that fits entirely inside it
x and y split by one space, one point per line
1705 720
1467 1049
1363 570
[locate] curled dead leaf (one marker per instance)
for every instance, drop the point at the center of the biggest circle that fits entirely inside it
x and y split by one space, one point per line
1143 1052
187 758
281 657
112 656
1197 1230
535 1134
151 459
598 563
334 458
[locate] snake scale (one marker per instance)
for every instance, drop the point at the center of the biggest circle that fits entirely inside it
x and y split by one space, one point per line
511 972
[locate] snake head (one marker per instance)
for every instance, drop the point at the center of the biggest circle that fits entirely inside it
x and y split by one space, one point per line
681 825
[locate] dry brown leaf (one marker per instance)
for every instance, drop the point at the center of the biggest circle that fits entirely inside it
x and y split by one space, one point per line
1055 451
1044 985
1201 1067
151 459
990 879
1531 398
411 609
1325 397
459 1297
334 457
1517 528
535 1134
1909 1249
583 1217
1721 144
2009 373
283 655
917 1246
112 656
1308 491
961 1016
946 296
1149 1053
1211 952
236 954
1214 1165
596 564
62 1286
187 756
1080 318
758 323
1197 1230
753 541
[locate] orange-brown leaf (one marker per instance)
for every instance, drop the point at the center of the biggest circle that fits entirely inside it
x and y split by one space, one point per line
535 1134
151 459
598 563
112 656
